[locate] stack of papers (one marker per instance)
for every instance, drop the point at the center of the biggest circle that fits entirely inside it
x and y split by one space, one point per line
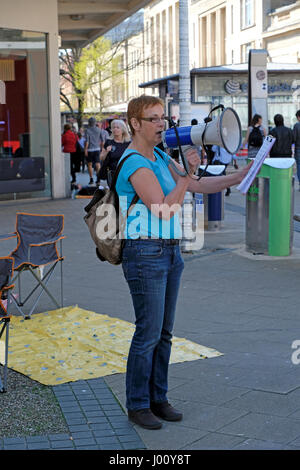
258 161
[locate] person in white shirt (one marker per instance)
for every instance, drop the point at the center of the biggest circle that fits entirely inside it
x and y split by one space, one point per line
222 157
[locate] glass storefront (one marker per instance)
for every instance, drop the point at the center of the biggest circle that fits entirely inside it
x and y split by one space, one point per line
25 170
232 90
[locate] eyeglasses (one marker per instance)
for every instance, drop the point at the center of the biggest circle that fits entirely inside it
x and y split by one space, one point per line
155 120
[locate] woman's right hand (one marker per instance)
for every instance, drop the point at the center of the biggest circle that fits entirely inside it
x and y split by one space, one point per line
240 174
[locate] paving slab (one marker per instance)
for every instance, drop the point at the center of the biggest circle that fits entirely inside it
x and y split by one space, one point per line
247 307
264 427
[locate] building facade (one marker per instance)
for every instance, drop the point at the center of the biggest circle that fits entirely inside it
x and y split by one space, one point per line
32 164
29 105
221 33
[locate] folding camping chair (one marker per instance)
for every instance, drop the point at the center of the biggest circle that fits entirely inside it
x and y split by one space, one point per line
6 273
37 246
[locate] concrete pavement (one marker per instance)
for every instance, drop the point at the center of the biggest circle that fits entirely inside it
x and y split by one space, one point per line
245 306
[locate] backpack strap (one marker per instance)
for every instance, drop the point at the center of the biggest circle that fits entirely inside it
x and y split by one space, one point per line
159 151
117 172
115 177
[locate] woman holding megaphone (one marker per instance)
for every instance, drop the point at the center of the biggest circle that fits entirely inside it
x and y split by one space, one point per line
152 262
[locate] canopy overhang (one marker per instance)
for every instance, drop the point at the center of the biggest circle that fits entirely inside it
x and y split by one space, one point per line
81 22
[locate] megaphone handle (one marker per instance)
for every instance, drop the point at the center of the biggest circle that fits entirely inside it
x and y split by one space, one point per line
215 108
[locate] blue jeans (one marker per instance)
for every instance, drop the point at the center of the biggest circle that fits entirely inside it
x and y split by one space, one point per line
152 269
297 158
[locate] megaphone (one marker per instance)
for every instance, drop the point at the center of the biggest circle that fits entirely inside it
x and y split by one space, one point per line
224 131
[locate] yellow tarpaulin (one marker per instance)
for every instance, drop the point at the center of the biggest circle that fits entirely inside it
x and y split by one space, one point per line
71 343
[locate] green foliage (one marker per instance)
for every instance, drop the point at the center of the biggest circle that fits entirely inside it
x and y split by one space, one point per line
91 69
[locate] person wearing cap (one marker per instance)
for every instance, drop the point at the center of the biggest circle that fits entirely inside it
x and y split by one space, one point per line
92 147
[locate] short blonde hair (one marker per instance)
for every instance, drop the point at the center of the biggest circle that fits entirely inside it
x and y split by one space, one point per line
136 107
125 132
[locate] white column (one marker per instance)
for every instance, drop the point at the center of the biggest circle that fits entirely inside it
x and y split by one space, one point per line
174 39
184 64
188 237
208 40
219 37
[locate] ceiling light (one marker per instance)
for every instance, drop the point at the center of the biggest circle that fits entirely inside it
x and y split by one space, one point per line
76 17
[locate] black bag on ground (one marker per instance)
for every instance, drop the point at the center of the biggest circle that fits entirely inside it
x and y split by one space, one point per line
87 191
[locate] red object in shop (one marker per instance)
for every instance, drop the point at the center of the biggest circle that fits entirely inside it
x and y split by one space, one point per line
14 144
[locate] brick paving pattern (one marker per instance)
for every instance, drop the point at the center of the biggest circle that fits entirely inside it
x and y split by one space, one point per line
94 417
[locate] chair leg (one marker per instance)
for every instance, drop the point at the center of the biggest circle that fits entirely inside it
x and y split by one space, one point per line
18 279
5 321
39 282
43 285
19 287
6 356
42 281
17 306
61 278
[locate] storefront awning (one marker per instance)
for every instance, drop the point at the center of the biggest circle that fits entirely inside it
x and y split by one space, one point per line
272 67
81 22
159 81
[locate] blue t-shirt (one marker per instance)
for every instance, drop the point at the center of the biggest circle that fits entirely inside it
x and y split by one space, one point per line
141 221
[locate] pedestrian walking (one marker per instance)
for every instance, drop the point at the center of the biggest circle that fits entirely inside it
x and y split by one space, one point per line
80 149
284 138
296 131
104 135
152 262
255 136
69 142
113 149
92 147
222 157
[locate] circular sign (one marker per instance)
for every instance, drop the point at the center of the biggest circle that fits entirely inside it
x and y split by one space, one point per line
232 87
260 75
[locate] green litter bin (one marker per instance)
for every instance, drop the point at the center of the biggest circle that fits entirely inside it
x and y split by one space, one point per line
270 209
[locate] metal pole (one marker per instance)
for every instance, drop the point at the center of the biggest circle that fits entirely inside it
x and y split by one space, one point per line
188 236
184 65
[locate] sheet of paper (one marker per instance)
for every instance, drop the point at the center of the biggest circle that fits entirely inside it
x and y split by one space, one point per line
258 161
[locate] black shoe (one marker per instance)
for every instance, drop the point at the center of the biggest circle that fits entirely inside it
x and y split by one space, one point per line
166 411
228 192
144 418
91 181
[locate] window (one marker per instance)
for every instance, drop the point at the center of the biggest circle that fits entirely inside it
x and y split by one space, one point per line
247 13
25 169
245 48
147 32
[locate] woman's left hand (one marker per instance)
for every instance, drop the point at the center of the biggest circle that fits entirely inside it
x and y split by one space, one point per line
193 159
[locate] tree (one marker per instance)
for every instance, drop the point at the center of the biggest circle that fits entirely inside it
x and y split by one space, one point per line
70 83
91 68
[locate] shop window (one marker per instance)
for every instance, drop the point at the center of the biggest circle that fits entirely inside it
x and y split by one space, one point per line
24 115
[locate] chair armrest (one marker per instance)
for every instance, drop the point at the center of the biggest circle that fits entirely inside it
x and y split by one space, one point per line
47 242
7 236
